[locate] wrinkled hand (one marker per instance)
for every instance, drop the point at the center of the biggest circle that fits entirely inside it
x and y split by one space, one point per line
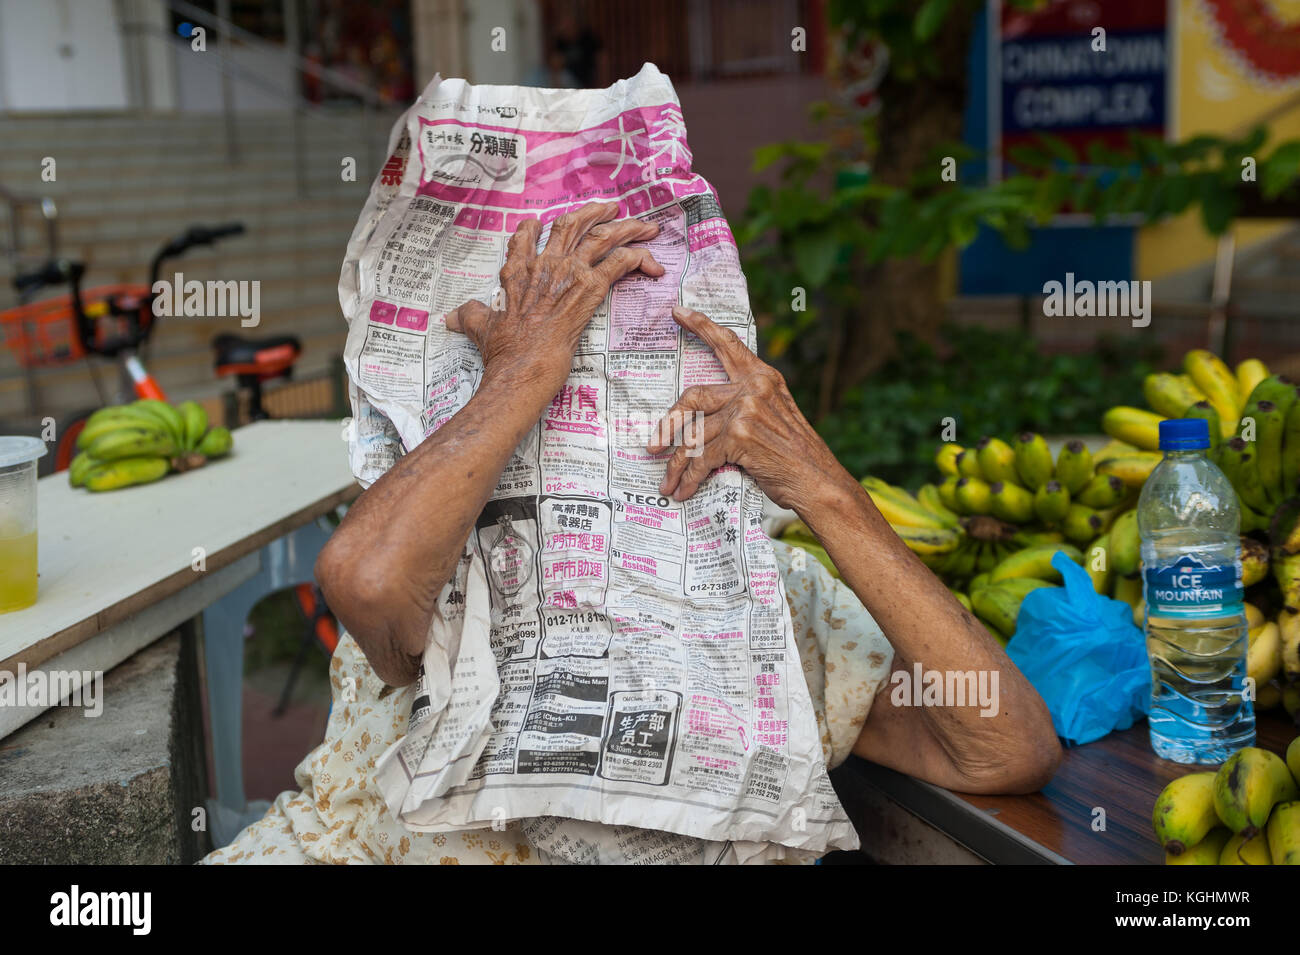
752 422
551 296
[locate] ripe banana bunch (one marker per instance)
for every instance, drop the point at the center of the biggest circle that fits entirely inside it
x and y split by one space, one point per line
141 442
1245 813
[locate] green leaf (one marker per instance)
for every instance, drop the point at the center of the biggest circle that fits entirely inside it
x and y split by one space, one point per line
1280 169
930 18
815 255
1218 204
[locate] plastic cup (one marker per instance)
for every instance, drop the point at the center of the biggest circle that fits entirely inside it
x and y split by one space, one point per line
18 457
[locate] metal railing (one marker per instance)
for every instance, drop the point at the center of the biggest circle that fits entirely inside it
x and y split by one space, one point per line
224 34
14 204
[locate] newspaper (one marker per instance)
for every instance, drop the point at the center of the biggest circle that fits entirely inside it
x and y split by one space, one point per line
614 667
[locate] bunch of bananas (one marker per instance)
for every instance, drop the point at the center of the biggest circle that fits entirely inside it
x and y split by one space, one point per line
1245 813
1254 423
141 442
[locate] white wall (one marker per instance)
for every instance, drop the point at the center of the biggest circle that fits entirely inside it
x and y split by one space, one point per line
59 55
521 21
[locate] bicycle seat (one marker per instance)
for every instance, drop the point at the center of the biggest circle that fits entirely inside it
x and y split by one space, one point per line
262 357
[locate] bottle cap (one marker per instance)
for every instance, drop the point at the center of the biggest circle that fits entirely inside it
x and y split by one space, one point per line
1184 434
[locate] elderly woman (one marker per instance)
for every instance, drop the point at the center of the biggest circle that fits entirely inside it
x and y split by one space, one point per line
383 570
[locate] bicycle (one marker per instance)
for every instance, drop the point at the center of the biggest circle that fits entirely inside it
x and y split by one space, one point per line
116 322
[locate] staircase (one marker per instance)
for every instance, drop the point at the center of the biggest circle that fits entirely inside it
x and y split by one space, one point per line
125 183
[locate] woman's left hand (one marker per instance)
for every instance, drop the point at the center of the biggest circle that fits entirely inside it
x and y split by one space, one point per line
751 421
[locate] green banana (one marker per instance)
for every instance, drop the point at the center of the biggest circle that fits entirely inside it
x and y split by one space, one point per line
974 495
1206 852
978 581
948 493
1170 395
997 461
167 416
1083 523
1074 466
95 429
111 475
819 552
77 470
1284 834
1051 502
1125 545
1028 538
1241 458
1254 561
131 443
1286 571
1205 411
1291 451
195 423
1033 460
1011 502
1103 491
1184 813
1247 787
929 497
216 443
999 604
1129 590
968 465
962 599
1269 417
1293 758
1034 562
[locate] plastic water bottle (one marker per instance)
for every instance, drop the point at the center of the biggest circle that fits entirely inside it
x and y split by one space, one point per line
1196 631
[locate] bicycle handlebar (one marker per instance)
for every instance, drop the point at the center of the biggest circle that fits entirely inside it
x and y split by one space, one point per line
53 272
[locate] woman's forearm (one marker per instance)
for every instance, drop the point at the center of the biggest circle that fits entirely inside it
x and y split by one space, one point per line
383 569
1014 747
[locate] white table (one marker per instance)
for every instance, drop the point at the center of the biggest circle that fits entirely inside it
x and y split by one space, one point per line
121 569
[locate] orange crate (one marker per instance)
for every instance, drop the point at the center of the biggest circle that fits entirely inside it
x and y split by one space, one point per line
44 333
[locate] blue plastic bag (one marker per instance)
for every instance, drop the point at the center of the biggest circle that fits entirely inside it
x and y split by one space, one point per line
1083 655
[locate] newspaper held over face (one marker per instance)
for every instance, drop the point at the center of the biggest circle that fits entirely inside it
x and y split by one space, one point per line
612 666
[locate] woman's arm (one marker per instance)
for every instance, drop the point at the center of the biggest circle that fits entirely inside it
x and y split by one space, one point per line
754 423
383 569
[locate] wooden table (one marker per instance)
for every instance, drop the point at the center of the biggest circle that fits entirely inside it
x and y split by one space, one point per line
912 821
118 570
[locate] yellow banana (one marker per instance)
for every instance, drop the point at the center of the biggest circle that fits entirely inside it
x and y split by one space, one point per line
1293 758
948 493
1284 834
946 459
1286 570
1252 851
1125 545
1250 373
1291 701
1205 411
1033 460
997 461
968 465
1133 469
1133 425
1288 624
1129 590
1264 654
111 475
897 506
1254 561
1184 813
1268 697
929 540
1214 378
1170 395
1254 616
1206 852
1247 787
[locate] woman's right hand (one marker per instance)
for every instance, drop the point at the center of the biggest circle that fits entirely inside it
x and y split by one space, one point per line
550 296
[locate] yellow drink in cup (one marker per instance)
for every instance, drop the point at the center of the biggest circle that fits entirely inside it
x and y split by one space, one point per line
18 457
